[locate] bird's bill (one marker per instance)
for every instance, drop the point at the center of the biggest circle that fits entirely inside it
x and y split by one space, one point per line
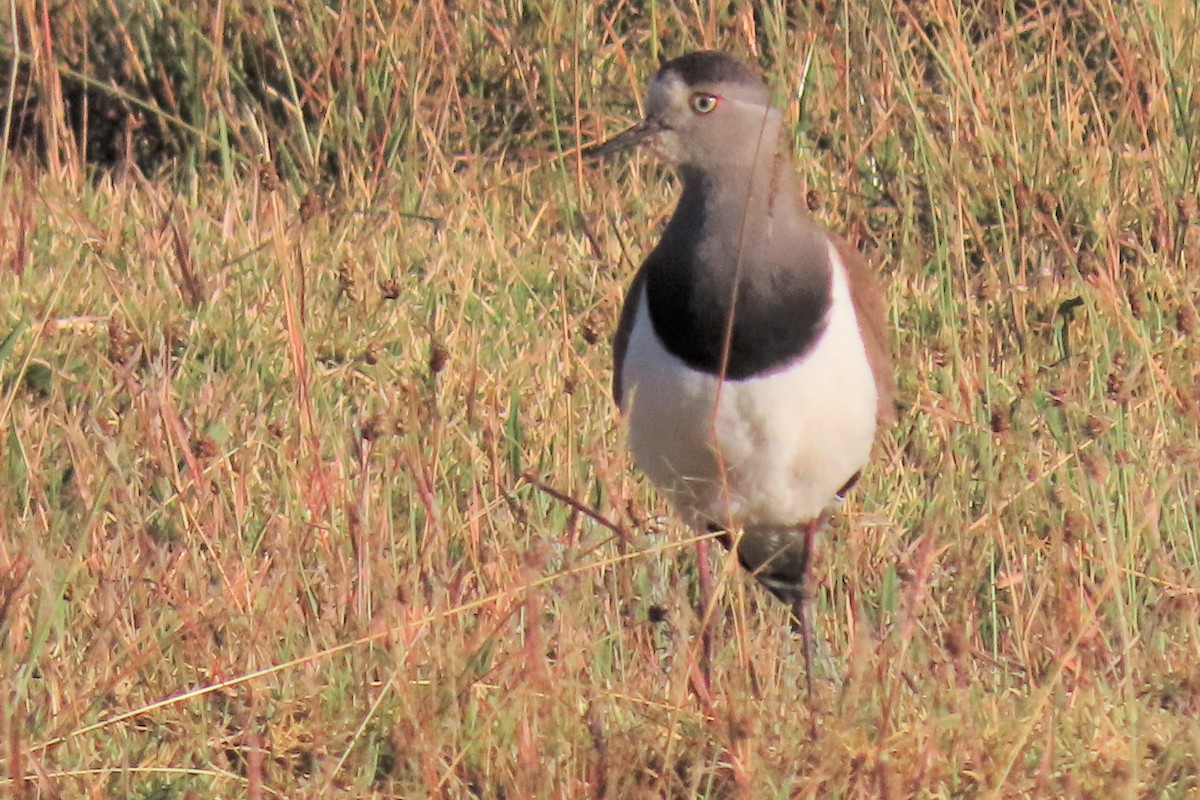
631 137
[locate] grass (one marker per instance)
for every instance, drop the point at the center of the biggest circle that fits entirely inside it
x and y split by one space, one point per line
310 483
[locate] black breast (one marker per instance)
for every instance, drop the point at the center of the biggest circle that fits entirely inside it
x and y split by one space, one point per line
779 315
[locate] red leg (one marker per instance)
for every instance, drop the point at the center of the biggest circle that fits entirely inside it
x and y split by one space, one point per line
802 608
705 611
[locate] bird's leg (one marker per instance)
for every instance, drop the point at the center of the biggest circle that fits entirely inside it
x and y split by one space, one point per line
705 614
802 606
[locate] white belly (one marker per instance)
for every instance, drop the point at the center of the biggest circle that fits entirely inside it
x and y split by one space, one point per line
776 449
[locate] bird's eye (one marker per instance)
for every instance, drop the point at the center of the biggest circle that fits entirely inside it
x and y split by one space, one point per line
703 102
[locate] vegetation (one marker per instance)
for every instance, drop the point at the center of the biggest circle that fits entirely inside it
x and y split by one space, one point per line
310 483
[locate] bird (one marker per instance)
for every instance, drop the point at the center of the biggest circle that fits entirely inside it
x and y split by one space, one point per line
751 365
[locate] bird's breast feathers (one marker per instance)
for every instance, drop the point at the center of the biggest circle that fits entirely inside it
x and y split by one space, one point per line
769 449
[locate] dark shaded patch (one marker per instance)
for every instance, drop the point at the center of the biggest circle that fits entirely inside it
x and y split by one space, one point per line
779 313
710 66
780 567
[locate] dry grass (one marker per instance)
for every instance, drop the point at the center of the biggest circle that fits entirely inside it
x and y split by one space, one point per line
310 483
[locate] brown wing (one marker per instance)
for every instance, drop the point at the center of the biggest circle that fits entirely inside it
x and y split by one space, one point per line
872 321
624 328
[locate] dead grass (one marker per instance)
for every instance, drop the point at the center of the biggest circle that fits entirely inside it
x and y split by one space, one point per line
310 483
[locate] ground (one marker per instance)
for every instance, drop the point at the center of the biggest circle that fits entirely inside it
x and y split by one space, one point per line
310 480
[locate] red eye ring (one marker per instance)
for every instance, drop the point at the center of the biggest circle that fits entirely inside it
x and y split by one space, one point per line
703 102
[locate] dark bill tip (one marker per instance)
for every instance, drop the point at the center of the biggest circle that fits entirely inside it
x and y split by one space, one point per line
630 137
